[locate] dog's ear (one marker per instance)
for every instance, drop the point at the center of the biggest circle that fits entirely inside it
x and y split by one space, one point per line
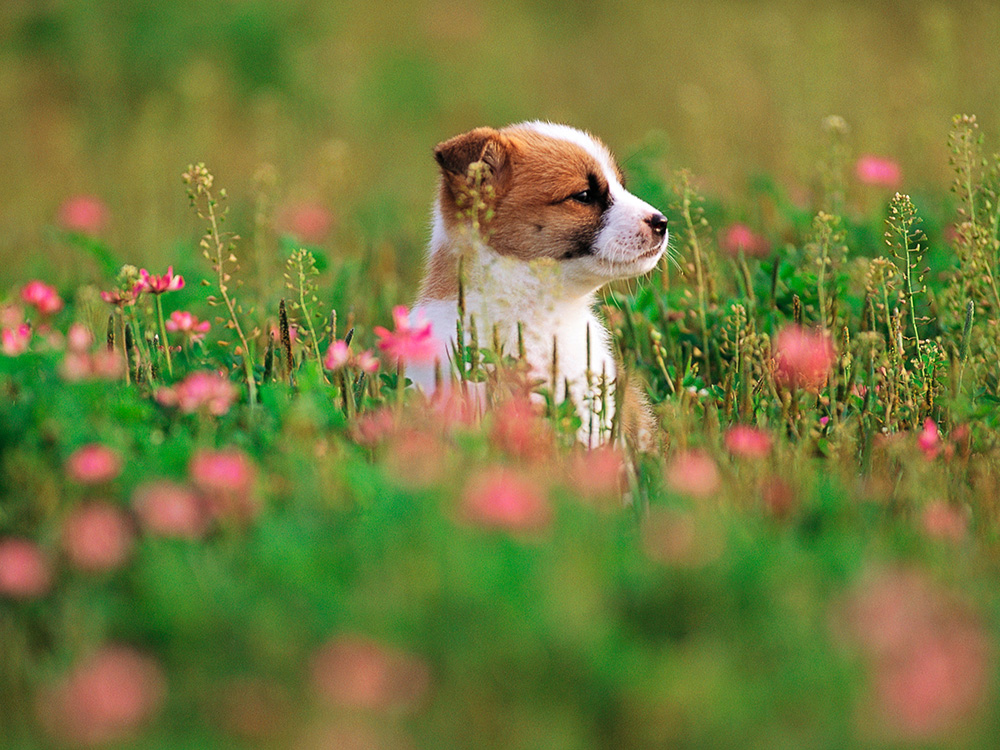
485 145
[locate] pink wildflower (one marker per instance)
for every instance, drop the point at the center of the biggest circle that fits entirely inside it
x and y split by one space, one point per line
122 297
171 510
739 237
695 474
42 297
519 430
93 464
499 499
24 571
929 440
803 358
878 171
226 478
407 343
337 355
366 361
97 537
204 391
357 672
931 657
103 698
160 284
181 321
14 341
309 222
85 214
748 442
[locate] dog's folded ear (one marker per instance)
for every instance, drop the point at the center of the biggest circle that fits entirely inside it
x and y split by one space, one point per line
486 145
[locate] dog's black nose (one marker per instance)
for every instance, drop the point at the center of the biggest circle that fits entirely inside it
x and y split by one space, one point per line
658 223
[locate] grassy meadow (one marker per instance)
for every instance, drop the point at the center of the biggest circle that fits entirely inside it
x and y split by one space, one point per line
226 521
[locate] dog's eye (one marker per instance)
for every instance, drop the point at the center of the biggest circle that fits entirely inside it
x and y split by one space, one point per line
586 197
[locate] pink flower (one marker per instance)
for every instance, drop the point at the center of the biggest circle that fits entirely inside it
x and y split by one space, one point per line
226 478
309 222
748 442
499 499
160 284
122 297
739 237
14 341
42 297
204 391
24 571
103 698
366 361
695 474
931 658
357 672
99 365
337 355
171 510
85 214
406 343
803 358
181 321
929 440
97 537
878 171
93 464
942 520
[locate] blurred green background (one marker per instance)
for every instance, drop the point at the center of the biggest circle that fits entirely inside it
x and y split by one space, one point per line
346 99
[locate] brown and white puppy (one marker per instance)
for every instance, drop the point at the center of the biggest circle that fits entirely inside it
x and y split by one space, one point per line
552 223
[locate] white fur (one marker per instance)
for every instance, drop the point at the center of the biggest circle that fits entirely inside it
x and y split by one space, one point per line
553 300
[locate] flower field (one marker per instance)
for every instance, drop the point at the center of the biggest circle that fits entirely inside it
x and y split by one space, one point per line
228 520
215 532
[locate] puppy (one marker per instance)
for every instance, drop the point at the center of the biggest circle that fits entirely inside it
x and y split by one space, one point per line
540 216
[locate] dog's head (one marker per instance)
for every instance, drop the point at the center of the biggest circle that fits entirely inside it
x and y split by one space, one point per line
554 192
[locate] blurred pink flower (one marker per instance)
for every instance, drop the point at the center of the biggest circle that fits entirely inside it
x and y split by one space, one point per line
181 321
104 697
406 343
694 473
929 440
878 170
357 672
205 391
778 497
79 338
93 464
226 478
739 237
122 297
24 571
85 214
518 430
308 222
803 358
500 499
942 520
337 355
42 297
931 658
373 427
160 284
14 341
97 537
748 442
366 361
228 470
168 509
98 365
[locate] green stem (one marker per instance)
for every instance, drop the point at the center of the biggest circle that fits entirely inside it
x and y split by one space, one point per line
163 336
